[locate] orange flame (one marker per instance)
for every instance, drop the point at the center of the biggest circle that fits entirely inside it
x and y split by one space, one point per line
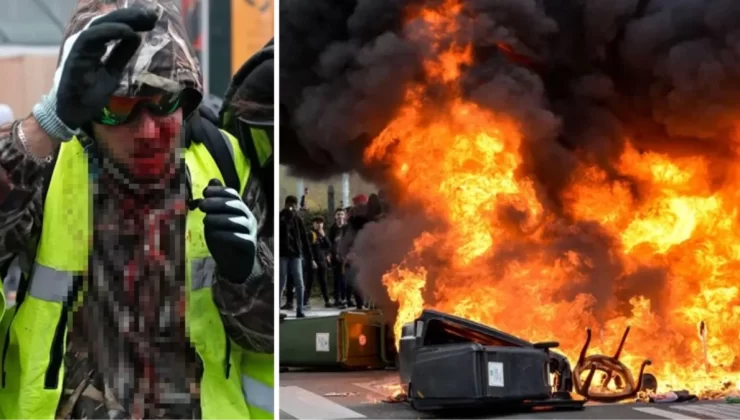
461 162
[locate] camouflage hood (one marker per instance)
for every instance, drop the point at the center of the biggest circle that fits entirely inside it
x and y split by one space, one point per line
166 59
252 83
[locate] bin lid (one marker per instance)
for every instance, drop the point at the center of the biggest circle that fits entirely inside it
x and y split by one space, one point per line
440 328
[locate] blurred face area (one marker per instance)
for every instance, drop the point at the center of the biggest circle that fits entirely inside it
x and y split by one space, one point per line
318 225
340 217
144 139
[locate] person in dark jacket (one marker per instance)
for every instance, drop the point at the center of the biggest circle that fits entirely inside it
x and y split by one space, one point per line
340 288
357 220
321 250
374 207
294 247
303 199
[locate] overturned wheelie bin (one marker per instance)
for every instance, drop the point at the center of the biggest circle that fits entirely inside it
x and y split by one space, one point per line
454 363
347 340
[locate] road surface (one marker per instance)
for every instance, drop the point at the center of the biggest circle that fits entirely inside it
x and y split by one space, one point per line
357 395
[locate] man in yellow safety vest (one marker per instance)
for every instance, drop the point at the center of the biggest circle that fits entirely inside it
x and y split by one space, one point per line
146 291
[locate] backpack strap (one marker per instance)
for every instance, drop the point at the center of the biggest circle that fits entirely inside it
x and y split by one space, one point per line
47 173
202 130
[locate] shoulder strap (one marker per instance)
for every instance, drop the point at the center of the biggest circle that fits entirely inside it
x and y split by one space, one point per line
201 130
47 173
215 142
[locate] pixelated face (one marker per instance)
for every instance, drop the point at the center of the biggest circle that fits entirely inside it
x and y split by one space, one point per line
143 144
340 217
318 225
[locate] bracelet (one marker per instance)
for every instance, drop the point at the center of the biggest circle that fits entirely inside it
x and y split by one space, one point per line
24 141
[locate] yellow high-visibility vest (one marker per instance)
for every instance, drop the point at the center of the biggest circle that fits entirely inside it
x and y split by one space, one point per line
236 384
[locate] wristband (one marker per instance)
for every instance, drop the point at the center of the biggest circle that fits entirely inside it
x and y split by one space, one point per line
46 115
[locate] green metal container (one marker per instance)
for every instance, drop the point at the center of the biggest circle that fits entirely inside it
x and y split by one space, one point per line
350 340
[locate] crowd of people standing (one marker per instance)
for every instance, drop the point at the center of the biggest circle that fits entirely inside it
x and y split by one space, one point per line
311 255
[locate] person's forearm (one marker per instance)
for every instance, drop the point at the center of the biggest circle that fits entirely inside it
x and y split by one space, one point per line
247 307
20 185
38 144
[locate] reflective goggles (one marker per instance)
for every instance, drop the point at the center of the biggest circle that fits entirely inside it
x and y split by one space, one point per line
121 110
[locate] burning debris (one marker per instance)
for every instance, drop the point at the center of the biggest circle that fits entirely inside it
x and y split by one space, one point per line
554 165
616 382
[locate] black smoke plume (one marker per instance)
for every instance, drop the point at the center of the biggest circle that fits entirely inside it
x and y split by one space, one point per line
586 75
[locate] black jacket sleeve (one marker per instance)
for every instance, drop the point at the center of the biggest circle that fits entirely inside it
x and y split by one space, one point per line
324 244
305 242
247 308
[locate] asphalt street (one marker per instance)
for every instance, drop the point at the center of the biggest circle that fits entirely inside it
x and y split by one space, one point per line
356 395
364 394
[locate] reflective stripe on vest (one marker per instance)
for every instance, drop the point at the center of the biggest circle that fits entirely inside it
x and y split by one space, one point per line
258 394
55 286
262 144
50 285
203 273
63 254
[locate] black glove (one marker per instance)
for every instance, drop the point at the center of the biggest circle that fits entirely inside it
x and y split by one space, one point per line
83 83
230 231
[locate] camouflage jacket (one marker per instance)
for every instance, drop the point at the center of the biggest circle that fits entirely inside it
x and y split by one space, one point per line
127 353
247 308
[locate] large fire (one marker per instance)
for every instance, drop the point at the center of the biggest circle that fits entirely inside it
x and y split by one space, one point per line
461 163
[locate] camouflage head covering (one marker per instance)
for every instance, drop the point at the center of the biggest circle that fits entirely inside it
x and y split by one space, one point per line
252 84
165 61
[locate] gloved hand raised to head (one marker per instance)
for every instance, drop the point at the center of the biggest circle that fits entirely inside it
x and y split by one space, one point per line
84 82
230 232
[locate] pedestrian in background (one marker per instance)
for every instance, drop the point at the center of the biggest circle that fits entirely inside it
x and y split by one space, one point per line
322 253
294 247
303 199
335 233
357 220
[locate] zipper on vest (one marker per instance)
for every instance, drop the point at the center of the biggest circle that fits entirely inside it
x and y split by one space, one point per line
56 354
227 361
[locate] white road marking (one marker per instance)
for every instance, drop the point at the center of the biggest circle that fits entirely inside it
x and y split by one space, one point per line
303 404
722 410
655 412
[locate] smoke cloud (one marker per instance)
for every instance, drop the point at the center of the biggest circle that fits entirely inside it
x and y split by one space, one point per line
664 73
